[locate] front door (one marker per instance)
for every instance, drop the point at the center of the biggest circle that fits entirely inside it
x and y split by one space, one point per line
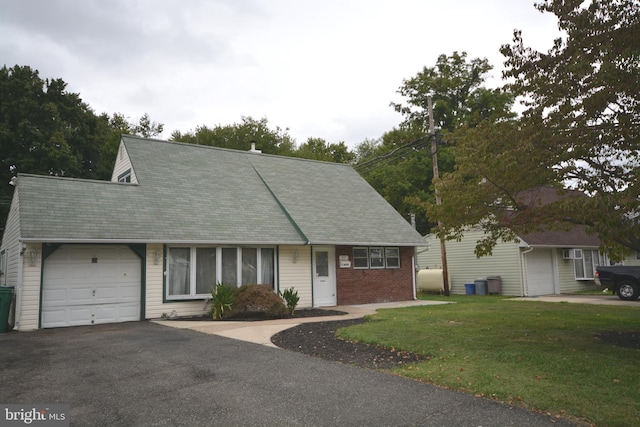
324 276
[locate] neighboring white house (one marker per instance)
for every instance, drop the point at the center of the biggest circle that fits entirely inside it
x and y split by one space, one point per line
177 218
541 264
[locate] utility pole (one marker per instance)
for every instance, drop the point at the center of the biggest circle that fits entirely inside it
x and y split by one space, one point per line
436 177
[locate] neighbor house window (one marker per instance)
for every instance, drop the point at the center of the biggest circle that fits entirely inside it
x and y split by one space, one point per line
585 263
376 257
192 271
125 176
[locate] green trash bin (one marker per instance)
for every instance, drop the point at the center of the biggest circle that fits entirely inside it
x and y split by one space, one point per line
6 296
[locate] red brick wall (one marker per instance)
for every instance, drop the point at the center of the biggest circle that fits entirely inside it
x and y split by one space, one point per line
368 286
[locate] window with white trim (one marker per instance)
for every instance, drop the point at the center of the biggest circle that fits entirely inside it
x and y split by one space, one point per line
125 176
193 270
585 262
360 257
376 257
392 257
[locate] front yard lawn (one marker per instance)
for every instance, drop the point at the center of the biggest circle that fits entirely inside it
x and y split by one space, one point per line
558 358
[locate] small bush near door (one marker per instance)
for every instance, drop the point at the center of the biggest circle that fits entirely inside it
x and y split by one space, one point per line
291 298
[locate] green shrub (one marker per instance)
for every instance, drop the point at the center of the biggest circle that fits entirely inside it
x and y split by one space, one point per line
221 299
291 298
256 302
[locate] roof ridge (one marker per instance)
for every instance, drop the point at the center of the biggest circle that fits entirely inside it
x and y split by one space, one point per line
231 150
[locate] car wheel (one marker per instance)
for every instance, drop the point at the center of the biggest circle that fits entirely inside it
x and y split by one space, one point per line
628 290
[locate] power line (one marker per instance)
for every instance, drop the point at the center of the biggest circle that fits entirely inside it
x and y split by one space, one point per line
393 155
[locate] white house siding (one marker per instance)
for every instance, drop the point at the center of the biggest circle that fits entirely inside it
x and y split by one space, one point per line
465 267
295 272
10 242
632 258
567 282
29 296
154 307
123 163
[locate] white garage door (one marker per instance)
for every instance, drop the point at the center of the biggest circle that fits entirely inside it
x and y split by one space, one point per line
540 272
86 285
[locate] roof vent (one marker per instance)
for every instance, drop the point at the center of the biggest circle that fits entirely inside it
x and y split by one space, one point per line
253 148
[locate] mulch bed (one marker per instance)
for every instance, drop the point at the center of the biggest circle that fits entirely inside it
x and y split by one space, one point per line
319 339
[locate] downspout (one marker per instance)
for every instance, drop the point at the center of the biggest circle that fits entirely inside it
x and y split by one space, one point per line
414 259
18 307
413 276
525 281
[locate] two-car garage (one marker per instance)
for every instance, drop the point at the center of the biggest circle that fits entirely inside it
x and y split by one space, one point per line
91 284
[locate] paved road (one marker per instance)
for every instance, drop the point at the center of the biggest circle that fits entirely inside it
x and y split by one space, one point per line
141 373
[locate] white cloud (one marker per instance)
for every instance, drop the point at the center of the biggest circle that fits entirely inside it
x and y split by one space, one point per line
326 69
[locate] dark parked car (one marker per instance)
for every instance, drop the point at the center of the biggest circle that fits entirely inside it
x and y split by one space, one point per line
622 280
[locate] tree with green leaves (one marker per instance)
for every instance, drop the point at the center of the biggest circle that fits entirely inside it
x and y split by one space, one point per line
460 98
239 136
319 149
580 130
44 130
399 166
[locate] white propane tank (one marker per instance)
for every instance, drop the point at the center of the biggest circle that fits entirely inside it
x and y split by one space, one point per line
430 280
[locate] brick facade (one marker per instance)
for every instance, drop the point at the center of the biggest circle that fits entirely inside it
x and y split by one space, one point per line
367 286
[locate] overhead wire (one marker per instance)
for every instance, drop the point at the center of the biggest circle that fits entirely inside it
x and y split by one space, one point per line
392 156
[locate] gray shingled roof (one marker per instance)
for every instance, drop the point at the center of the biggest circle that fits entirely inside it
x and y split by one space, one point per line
190 193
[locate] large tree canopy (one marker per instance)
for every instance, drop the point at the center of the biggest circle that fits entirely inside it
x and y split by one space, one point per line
456 86
580 129
399 165
239 136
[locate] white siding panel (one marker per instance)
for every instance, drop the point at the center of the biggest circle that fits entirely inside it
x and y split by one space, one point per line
295 272
632 258
465 267
10 242
566 276
123 163
30 295
155 308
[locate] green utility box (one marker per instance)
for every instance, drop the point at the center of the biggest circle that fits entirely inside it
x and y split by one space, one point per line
6 297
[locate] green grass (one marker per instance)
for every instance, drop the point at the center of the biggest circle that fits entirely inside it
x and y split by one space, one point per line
538 355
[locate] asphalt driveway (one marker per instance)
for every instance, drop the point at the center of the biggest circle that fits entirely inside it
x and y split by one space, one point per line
142 373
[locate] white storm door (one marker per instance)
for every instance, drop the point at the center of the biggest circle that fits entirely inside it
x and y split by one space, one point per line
324 276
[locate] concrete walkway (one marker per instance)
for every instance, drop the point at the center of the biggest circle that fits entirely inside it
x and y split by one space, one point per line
260 332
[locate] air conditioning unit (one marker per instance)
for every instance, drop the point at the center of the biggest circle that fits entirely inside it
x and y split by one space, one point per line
571 253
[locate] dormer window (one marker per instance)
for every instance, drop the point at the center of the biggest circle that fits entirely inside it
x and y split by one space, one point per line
125 176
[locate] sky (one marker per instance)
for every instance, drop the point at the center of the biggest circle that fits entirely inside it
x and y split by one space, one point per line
317 68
